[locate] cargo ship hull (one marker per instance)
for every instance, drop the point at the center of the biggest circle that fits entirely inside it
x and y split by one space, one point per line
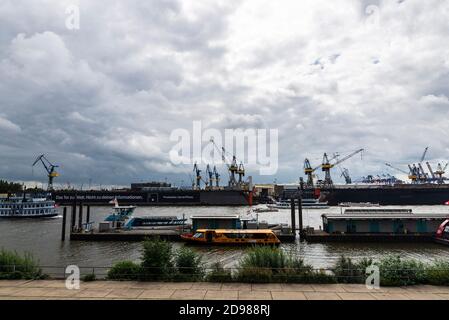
155 198
388 195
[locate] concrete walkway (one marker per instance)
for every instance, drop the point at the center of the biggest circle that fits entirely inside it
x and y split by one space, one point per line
55 289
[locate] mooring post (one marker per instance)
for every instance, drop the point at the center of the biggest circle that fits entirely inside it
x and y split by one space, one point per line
292 205
300 223
73 220
64 217
80 218
88 214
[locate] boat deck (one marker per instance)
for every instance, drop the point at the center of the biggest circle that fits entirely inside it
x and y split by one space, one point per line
140 235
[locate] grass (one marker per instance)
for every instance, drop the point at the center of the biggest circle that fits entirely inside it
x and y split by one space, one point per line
269 264
16 266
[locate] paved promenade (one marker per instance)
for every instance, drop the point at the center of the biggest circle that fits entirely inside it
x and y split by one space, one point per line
55 289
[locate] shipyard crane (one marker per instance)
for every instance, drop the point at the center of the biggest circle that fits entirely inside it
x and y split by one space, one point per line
411 174
345 174
327 166
197 171
434 178
241 173
210 174
308 170
217 177
49 167
440 172
231 163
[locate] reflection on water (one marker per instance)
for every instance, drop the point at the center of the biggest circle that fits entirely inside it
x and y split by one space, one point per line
42 238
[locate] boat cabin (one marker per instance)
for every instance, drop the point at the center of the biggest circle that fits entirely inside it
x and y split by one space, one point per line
232 236
386 223
216 222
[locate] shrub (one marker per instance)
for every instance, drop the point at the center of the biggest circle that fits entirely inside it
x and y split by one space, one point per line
347 271
15 266
124 270
89 277
156 259
188 264
397 272
219 274
438 273
254 275
268 264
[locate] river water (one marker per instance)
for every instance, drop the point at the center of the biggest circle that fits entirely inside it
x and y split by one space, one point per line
42 239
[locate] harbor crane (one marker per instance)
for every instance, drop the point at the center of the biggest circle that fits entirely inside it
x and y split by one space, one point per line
210 174
326 166
217 177
411 174
231 163
308 170
49 167
241 173
197 184
345 174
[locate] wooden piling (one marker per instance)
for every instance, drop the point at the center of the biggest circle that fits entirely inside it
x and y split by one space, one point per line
73 220
292 205
64 217
88 214
80 217
300 220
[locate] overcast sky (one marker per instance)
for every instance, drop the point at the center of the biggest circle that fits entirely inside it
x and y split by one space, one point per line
331 76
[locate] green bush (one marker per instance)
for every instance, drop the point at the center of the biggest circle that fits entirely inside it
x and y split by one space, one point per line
268 264
219 274
397 272
188 265
124 270
346 271
156 260
255 275
89 277
15 266
438 273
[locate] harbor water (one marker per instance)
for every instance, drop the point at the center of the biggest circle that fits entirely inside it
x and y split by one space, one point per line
41 237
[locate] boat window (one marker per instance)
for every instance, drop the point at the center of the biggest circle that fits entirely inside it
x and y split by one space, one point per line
198 235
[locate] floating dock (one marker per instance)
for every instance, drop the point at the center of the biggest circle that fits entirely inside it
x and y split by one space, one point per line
140 235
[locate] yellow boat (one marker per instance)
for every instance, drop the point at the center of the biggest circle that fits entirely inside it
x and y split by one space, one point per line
233 236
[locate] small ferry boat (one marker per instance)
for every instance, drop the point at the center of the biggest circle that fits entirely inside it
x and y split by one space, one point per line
306 204
27 207
155 222
120 213
232 237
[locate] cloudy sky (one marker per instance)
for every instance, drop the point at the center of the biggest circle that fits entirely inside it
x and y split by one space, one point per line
330 76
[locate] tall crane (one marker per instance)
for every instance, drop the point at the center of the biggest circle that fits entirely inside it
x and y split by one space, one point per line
308 170
217 177
49 167
197 171
411 174
440 172
241 173
345 174
327 166
231 163
210 174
